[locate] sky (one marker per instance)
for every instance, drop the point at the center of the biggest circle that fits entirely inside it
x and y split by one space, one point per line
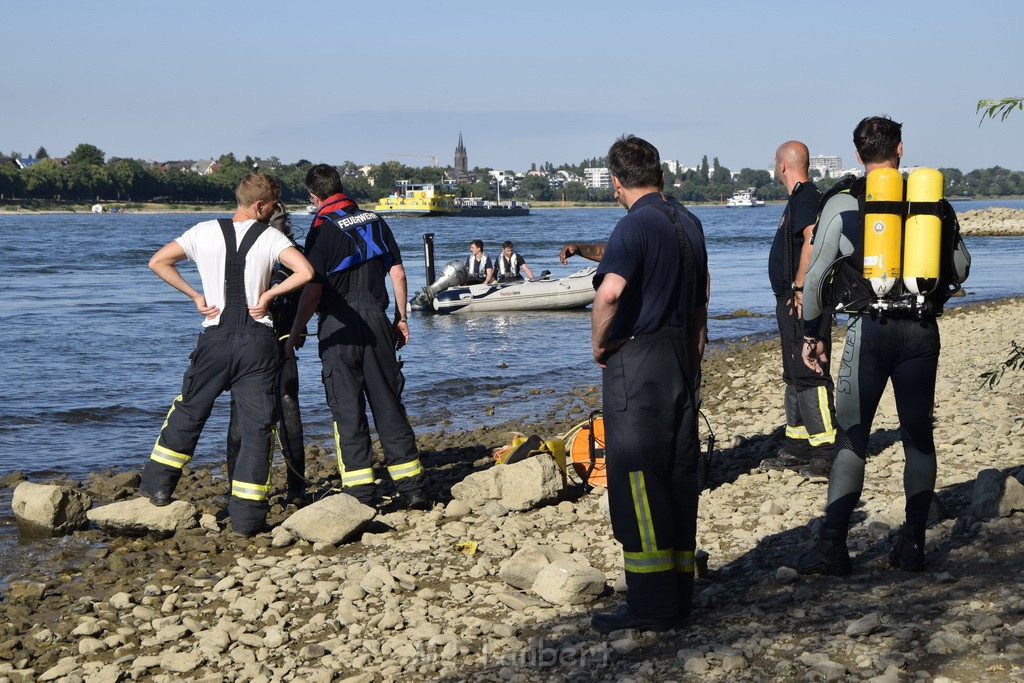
525 82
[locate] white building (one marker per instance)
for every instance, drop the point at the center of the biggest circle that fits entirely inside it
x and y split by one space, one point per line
830 165
598 178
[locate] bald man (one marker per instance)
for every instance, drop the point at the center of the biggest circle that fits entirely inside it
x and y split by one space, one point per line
810 411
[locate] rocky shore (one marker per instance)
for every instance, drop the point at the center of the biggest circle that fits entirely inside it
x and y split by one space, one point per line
992 222
432 595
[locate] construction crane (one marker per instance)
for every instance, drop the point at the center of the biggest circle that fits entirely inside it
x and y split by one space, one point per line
432 157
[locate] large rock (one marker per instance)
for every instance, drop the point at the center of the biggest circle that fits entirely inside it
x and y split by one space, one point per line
522 568
565 582
330 520
996 495
45 508
138 515
519 486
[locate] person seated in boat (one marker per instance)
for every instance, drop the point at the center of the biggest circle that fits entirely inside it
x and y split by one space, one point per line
478 265
593 251
509 263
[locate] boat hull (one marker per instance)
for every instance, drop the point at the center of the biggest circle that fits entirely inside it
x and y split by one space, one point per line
572 291
490 213
413 213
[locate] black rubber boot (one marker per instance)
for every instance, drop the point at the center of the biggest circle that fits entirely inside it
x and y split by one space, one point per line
908 553
829 555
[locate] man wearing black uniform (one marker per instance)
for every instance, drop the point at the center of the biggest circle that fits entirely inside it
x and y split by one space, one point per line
649 330
289 430
897 341
352 251
237 350
810 412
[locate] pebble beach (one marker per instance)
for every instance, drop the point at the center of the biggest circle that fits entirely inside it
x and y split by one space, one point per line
433 595
422 595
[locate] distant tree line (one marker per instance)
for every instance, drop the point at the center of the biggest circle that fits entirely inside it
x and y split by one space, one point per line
85 175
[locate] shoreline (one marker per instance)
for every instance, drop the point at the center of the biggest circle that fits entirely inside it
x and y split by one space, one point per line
181 606
988 222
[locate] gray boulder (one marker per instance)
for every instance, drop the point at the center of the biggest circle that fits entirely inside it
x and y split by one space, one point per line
564 582
138 515
45 508
520 486
996 495
522 568
330 520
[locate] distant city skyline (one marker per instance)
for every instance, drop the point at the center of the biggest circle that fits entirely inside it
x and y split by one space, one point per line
534 83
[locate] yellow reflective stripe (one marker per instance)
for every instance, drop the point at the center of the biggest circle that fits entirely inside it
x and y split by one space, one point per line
648 542
405 470
357 477
648 562
165 456
337 451
796 432
683 561
829 434
243 489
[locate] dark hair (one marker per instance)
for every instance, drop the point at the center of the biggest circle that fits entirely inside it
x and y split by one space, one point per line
323 181
479 244
506 243
635 162
877 139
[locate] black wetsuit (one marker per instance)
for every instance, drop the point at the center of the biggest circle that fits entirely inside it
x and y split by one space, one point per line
897 346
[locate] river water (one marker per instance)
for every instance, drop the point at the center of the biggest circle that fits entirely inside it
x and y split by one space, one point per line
95 345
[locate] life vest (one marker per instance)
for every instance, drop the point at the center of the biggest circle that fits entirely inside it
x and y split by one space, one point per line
843 286
477 268
508 268
365 230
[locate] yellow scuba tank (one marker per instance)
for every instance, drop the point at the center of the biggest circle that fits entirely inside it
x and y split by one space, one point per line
883 231
923 233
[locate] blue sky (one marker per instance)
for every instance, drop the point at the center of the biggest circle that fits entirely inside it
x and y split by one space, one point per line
524 81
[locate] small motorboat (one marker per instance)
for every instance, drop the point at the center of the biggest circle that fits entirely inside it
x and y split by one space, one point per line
450 293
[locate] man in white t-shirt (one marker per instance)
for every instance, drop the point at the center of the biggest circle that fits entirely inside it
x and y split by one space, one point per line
238 349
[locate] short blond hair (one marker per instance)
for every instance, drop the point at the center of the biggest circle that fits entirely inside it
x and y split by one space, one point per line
257 187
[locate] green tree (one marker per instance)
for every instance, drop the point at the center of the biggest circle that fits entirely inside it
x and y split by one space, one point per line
41 153
125 176
385 176
11 183
536 187
721 174
576 192
750 177
86 155
704 169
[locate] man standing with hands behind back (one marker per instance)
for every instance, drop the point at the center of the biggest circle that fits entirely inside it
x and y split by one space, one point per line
649 331
810 411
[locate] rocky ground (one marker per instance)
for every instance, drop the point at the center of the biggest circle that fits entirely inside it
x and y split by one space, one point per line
418 597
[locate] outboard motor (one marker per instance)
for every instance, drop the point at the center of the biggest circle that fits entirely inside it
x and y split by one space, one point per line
452 275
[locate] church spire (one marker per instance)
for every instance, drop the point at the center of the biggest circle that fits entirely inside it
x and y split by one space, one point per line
461 159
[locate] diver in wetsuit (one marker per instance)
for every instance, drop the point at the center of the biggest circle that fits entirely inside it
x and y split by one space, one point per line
882 344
